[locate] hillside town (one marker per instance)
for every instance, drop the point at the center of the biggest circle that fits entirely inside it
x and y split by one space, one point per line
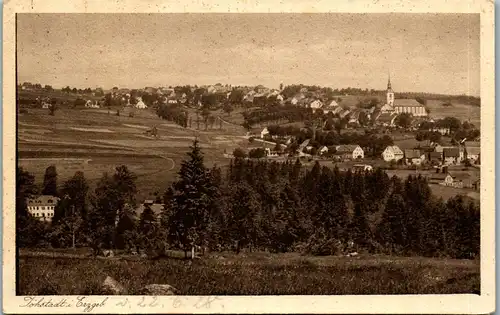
344 135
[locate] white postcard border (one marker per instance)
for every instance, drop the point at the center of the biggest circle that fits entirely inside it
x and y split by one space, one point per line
396 304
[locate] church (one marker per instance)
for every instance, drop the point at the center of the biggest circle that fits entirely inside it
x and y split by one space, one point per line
402 105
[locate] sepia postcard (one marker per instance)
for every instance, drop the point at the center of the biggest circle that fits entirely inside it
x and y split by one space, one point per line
248 157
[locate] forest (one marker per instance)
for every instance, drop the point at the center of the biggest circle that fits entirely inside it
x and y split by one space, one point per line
254 206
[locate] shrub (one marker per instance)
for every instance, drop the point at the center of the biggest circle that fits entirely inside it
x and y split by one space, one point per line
239 153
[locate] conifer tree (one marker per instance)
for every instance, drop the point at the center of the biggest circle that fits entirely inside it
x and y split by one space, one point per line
50 181
191 201
29 231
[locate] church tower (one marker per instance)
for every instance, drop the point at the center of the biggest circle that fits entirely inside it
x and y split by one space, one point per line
390 93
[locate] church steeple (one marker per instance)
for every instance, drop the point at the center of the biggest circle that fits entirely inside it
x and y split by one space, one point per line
390 92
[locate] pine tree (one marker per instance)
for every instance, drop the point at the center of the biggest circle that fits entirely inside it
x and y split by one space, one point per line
50 181
393 230
29 231
360 228
192 197
245 206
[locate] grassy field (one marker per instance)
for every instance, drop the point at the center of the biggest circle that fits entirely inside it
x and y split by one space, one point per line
94 142
457 110
253 274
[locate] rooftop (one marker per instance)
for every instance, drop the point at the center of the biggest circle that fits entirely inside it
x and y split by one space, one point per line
347 148
406 102
43 200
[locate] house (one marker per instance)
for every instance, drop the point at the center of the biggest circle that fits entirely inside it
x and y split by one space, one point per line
92 104
435 157
444 179
329 109
42 207
463 180
472 153
264 132
344 113
385 119
354 118
156 207
414 157
386 109
302 146
392 152
140 104
323 150
451 155
362 168
333 103
349 151
442 130
472 150
249 96
316 104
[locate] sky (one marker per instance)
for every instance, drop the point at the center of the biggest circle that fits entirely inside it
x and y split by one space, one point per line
435 53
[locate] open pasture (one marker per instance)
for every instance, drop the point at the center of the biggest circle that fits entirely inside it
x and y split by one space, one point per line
460 111
95 142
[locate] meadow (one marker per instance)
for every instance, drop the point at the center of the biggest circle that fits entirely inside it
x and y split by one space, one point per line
458 110
252 274
95 142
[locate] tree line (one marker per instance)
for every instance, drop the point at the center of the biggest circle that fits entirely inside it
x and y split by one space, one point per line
257 206
276 114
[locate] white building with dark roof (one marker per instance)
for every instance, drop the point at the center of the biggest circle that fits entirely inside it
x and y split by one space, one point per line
43 207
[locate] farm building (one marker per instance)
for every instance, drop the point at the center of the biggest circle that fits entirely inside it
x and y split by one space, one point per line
344 113
354 118
435 157
323 150
349 151
472 150
414 157
444 179
316 104
392 152
385 119
140 104
42 207
451 155
333 103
